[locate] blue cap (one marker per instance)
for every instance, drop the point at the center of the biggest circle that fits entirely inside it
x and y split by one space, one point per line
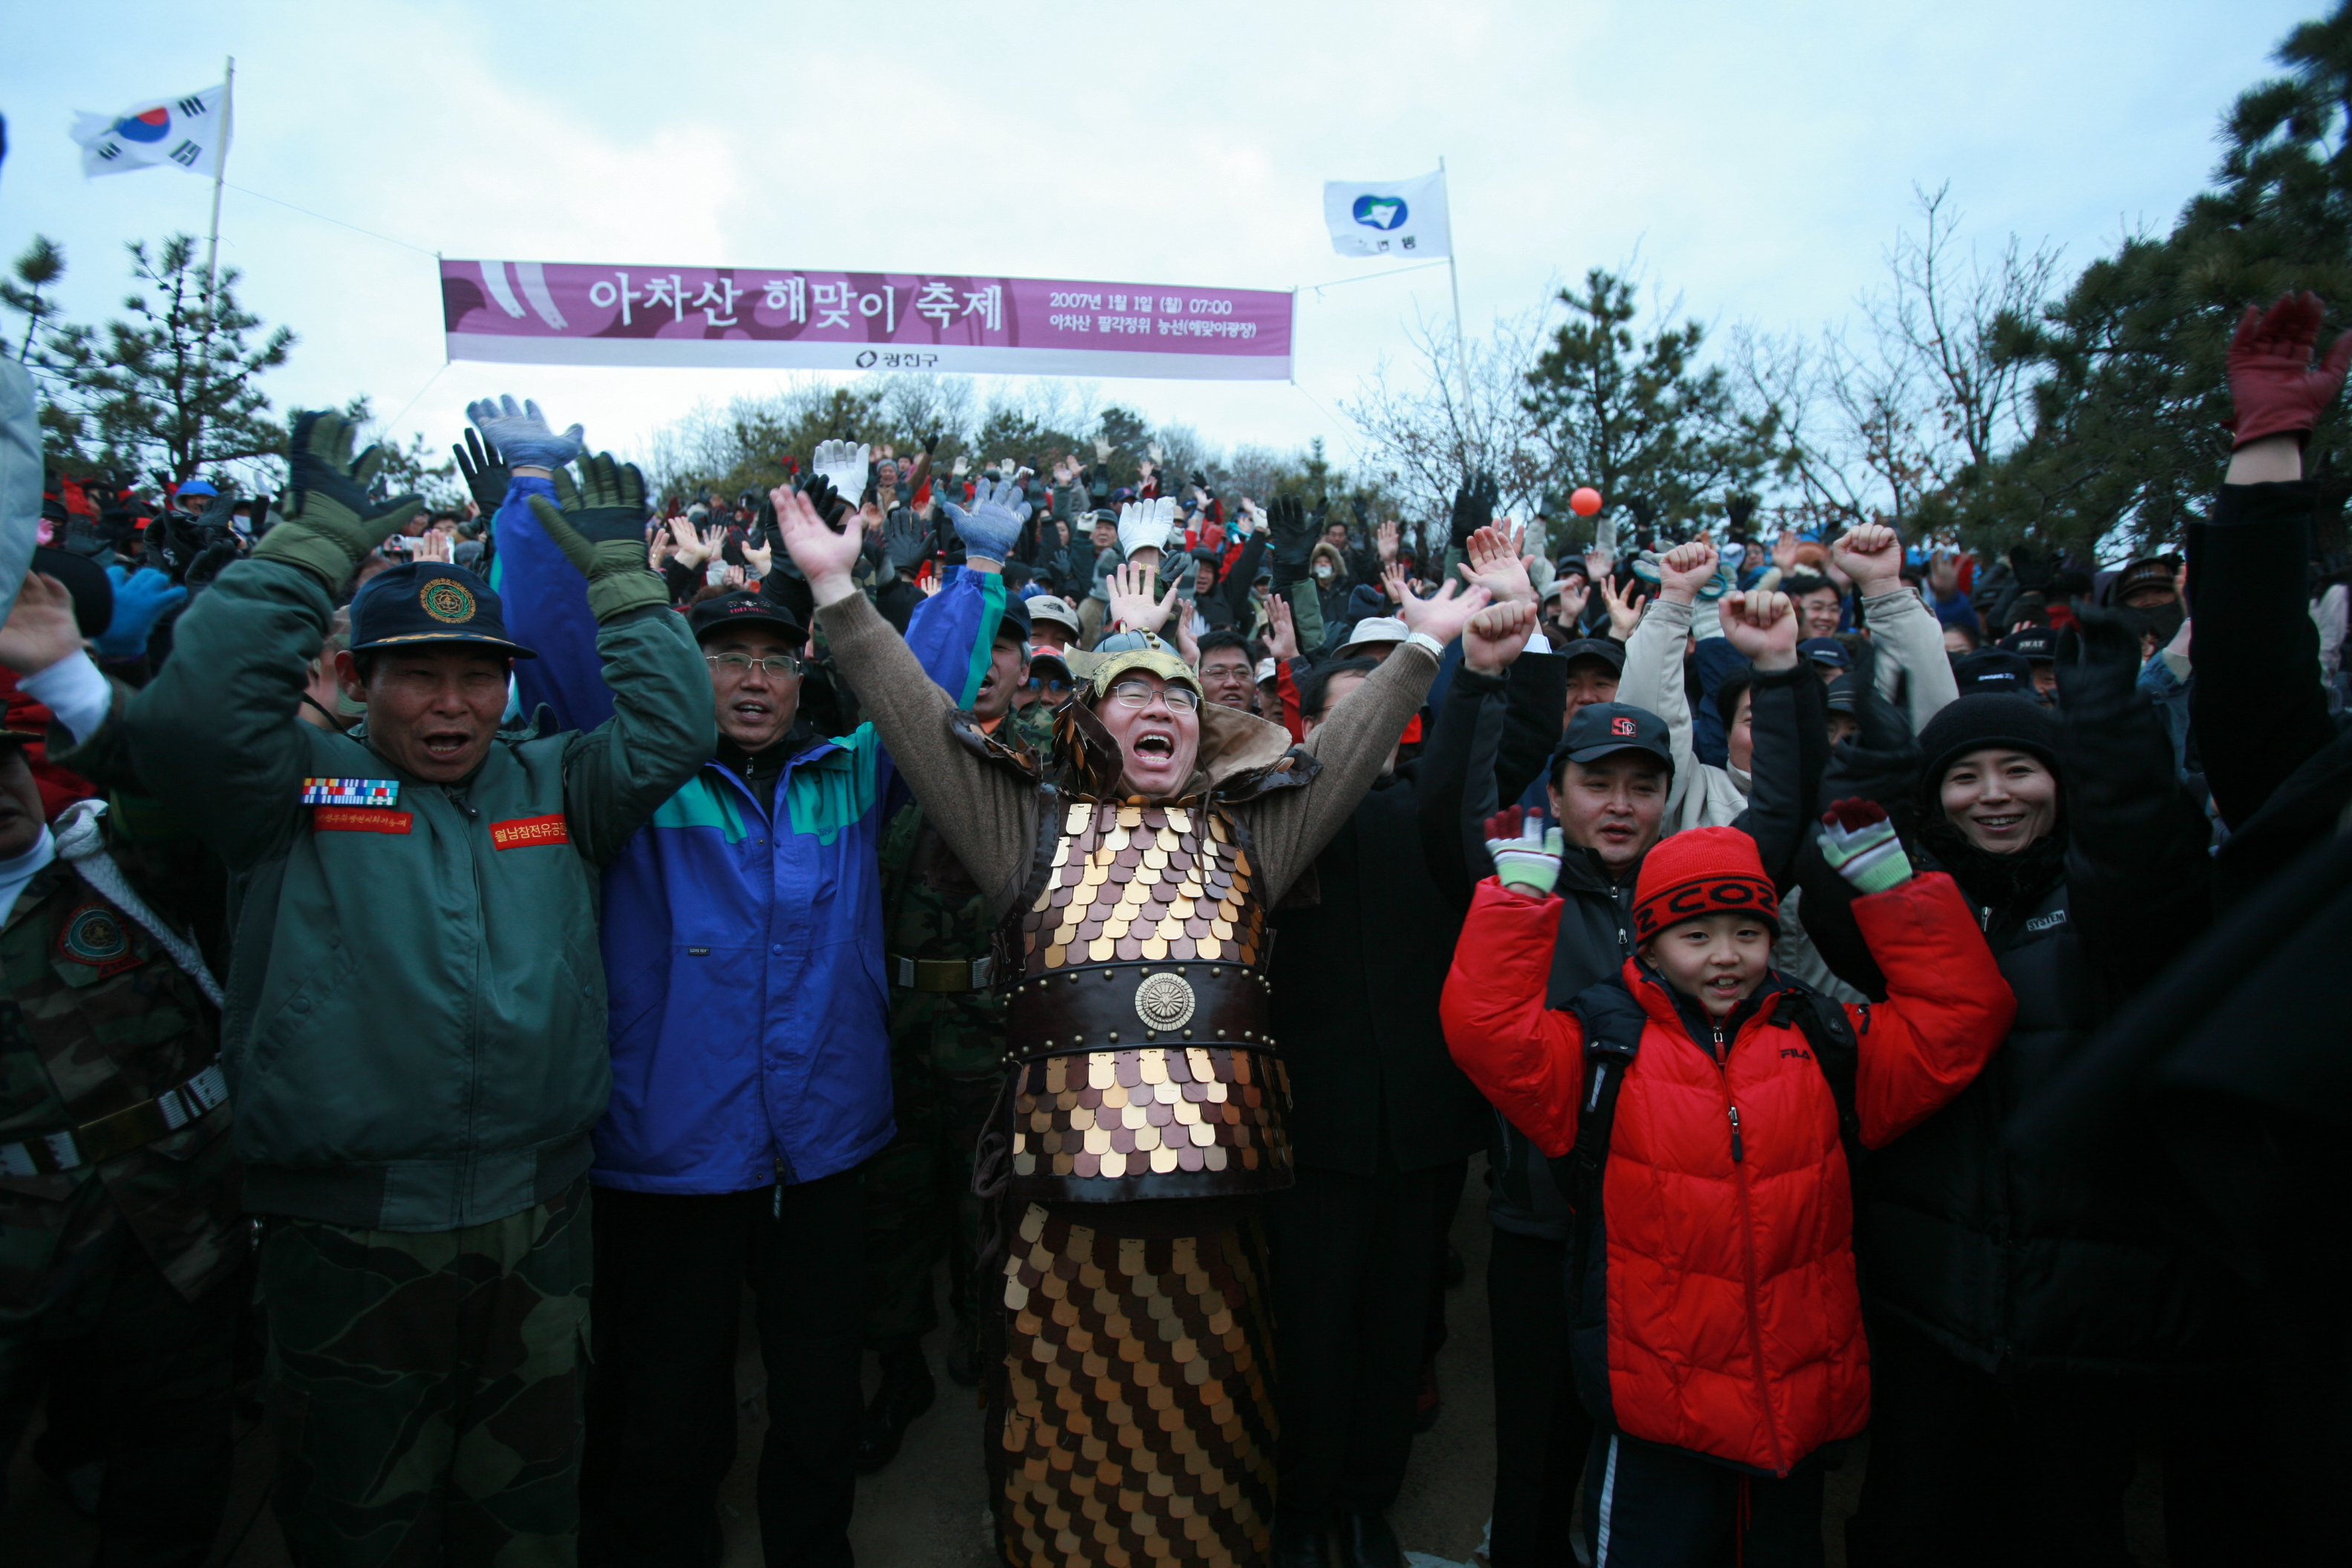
198 488
1826 650
429 602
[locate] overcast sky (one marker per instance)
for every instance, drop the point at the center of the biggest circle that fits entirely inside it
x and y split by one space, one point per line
1756 158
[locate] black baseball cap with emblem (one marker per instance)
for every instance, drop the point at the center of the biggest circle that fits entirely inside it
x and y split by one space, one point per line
1612 654
1603 729
2037 645
745 609
429 602
1993 670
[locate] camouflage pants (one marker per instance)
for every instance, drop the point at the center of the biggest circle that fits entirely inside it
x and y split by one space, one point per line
945 1069
424 1389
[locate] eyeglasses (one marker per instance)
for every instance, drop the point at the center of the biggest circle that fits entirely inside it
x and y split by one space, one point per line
1055 684
775 664
1137 693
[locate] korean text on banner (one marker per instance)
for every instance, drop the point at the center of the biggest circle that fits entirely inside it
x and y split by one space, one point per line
532 312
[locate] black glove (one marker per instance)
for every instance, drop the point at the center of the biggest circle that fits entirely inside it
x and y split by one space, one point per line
607 504
2033 577
827 501
1289 539
905 540
211 561
1738 510
1473 508
2098 662
486 472
931 443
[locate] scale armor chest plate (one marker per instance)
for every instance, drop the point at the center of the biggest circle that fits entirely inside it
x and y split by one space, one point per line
1137 1021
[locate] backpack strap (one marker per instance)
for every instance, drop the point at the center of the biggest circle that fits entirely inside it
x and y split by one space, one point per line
1612 1024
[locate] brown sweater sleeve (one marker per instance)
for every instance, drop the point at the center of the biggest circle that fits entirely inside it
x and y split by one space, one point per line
1290 826
988 816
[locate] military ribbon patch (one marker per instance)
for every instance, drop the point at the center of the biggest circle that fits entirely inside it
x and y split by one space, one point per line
351 792
527 830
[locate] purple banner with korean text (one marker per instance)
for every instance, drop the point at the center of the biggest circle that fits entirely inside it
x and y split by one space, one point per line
550 312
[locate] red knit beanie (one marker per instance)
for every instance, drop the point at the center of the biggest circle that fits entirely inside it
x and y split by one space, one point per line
1698 873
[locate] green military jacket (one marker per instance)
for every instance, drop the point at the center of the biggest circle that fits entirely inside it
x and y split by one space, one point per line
415 1035
96 1017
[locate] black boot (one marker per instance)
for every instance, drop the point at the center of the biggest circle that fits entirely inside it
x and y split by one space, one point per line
906 1393
1297 1545
1367 1541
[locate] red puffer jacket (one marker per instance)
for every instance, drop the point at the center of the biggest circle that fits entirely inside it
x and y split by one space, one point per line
1734 1328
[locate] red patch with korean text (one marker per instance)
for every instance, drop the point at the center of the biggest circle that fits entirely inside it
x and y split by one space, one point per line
524 831
359 819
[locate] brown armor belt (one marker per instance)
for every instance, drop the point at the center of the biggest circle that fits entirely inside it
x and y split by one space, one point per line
1145 1080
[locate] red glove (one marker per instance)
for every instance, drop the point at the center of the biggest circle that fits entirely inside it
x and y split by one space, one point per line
2275 391
1506 823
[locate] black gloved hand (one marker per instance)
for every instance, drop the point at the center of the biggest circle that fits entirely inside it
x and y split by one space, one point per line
828 502
1473 508
905 540
1290 539
2033 575
931 443
211 561
607 504
1738 510
2099 661
487 473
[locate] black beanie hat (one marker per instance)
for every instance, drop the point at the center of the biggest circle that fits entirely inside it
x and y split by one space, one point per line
1970 724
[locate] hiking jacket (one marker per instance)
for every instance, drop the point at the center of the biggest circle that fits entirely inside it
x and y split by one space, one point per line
1733 1323
749 1008
413 1035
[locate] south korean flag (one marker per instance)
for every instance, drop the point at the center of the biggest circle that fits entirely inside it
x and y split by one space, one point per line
190 132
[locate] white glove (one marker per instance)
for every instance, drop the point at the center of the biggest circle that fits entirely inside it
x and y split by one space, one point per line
1144 525
844 468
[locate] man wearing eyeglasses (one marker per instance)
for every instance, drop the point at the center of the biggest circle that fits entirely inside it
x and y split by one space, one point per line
742 935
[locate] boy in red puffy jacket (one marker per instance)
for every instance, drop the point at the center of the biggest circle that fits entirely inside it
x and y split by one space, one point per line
1717 1331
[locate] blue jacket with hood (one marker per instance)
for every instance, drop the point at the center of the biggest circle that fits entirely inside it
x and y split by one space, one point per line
742 935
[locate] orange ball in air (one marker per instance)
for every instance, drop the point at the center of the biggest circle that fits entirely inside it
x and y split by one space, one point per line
1585 501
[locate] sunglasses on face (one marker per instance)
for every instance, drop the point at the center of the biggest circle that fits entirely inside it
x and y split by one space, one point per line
1137 693
775 664
1054 685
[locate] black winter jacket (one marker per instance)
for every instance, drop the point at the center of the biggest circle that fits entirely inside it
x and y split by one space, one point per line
1356 976
2012 1264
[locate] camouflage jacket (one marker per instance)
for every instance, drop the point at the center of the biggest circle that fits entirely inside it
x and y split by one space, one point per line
96 1018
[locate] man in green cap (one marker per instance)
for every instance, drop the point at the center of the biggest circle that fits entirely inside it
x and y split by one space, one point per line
415 1032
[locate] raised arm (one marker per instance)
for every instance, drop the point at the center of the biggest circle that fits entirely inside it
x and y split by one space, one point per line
986 814
1653 667
1909 639
1465 737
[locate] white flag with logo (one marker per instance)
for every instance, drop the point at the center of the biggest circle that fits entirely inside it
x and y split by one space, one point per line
188 133
1392 217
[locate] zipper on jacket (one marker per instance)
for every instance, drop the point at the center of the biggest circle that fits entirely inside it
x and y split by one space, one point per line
1748 1250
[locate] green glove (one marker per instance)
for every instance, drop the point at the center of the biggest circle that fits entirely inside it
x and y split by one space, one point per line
1861 845
601 529
330 522
1526 855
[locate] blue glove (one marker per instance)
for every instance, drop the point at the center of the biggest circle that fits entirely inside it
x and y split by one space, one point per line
141 598
998 511
521 435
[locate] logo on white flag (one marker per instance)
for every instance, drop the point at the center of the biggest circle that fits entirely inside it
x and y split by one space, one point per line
1387 217
189 131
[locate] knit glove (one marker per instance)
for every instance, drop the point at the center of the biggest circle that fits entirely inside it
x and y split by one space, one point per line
332 524
141 598
989 529
601 529
521 435
1473 508
1525 854
845 466
2273 386
1290 539
1861 845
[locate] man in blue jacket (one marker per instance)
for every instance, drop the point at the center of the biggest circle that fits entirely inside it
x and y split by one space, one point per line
750 1018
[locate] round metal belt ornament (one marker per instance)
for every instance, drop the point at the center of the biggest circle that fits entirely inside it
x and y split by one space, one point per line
1164 1001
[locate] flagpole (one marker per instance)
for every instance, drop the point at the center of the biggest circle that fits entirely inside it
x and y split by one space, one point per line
220 173
1461 351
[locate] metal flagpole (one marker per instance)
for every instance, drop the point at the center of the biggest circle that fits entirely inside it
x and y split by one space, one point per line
220 172
1461 349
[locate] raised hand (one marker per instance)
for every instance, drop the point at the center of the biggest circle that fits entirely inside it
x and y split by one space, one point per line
430 546
824 554
758 559
1574 595
994 524
1498 635
333 523
2272 386
41 629
1871 555
1443 615
1385 541
1527 856
845 466
1474 507
1281 633
1861 845
1495 563
1289 536
599 527
519 433
1132 605
1684 569
1395 584
1625 608
1762 626
486 475
691 552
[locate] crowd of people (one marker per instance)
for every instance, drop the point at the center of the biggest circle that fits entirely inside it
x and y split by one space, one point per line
453 959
